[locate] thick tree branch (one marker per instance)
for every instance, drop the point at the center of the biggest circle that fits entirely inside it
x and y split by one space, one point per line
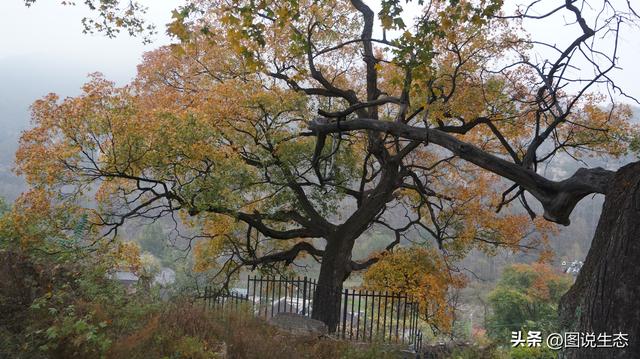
557 197
287 256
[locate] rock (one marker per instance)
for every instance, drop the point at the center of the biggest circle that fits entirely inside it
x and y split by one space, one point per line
298 324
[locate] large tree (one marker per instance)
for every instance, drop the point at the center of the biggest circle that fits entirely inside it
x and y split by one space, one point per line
292 121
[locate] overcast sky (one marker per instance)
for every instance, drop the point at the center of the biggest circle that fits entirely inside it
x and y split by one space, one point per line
43 49
53 34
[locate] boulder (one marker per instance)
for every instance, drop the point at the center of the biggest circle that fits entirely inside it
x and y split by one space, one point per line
298 324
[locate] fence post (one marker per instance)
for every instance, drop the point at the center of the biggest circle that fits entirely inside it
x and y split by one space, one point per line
273 293
253 302
353 302
384 316
364 324
373 307
248 284
391 318
378 316
279 293
260 298
286 282
404 319
398 316
344 312
304 297
358 318
297 295
414 322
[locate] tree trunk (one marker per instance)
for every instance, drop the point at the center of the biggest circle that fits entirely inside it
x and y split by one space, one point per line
334 270
606 294
336 260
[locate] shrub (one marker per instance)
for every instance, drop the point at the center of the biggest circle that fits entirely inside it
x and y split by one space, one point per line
68 308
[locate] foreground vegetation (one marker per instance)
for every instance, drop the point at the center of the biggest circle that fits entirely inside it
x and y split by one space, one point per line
56 308
58 301
64 306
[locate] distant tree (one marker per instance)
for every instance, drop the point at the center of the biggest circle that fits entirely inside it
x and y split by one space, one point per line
152 239
526 298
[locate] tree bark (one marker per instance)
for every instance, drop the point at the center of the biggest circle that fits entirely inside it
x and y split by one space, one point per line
334 270
606 294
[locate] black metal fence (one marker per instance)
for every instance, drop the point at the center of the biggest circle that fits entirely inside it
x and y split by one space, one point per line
213 299
364 315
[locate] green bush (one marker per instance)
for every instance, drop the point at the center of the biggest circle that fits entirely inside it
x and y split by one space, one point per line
526 298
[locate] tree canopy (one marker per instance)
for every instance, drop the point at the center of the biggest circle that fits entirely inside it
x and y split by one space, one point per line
278 129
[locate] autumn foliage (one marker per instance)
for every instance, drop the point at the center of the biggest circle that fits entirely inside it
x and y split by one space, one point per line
421 274
274 131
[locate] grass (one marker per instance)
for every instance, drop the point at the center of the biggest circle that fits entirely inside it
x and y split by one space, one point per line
190 331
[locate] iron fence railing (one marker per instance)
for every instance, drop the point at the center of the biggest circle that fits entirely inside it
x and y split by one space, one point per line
364 315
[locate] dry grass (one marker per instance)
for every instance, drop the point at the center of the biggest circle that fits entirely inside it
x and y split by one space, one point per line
189 331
